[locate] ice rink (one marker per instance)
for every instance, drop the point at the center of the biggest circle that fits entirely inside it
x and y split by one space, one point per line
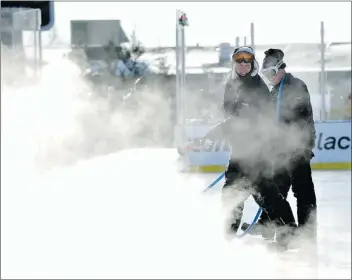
133 215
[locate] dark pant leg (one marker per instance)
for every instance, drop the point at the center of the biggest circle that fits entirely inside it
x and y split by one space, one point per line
282 179
303 190
234 192
274 203
278 210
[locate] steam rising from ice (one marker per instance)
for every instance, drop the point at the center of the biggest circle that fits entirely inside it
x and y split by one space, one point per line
125 215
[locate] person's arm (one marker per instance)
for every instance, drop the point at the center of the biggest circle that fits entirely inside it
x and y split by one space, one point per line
303 112
219 131
228 102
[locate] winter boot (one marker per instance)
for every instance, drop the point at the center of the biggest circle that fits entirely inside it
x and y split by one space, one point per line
281 213
307 222
263 227
233 222
286 237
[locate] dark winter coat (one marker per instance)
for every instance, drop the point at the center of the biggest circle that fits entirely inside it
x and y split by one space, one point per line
296 108
245 100
247 105
249 91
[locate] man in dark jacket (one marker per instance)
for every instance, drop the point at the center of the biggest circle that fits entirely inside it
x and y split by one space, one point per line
247 106
295 111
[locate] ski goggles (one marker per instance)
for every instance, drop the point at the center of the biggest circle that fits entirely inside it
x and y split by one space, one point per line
242 56
270 72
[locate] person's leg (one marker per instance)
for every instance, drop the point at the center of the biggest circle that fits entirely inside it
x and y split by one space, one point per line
282 179
265 226
234 192
304 191
278 210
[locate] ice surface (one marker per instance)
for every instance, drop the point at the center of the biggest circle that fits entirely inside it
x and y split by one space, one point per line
132 215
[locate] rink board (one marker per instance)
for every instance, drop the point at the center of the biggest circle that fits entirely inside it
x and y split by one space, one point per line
332 149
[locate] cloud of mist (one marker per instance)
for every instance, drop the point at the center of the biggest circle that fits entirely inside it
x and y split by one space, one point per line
54 122
262 147
57 119
261 141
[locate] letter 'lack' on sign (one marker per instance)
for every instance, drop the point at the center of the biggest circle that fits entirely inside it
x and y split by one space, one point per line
332 143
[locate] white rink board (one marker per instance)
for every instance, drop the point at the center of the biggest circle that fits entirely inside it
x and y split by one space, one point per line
332 150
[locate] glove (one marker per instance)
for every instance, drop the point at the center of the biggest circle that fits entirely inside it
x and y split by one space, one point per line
310 154
306 155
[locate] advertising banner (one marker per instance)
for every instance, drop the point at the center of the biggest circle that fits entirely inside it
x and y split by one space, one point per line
332 148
